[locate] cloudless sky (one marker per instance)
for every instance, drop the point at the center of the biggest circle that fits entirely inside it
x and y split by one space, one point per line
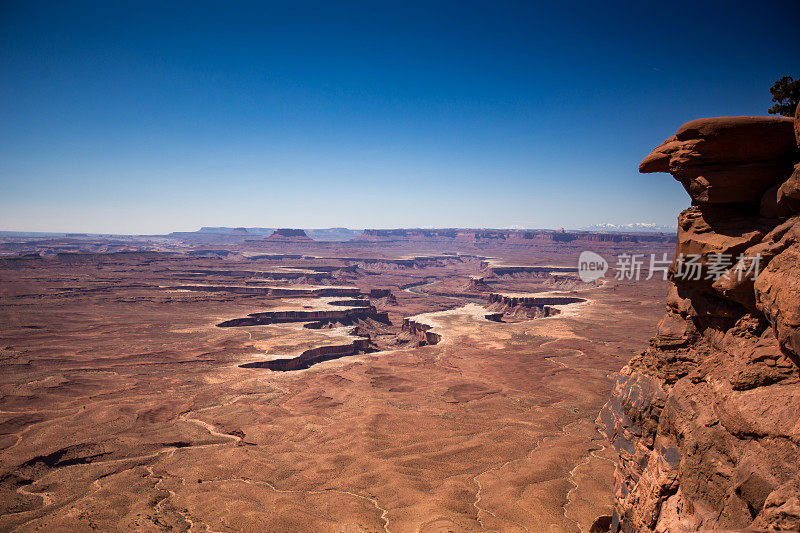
140 117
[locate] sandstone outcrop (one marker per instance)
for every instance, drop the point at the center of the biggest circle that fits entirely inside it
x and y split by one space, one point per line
328 311
727 159
421 330
428 328
310 290
534 305
304 275
477 284
706 420
384 296
312 356
289 235
496 268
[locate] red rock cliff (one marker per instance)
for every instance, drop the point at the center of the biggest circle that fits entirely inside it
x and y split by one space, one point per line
707 419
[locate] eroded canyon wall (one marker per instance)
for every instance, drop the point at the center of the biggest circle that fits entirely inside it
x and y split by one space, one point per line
706 420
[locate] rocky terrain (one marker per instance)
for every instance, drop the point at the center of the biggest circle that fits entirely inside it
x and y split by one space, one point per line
423 380
338 242
706 421
512 236
288 234
310 386
535 305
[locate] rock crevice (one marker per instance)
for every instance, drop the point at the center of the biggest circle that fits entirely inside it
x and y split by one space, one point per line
706 421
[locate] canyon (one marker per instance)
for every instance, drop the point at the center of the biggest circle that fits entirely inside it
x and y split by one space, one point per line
240 383
417 380
398 267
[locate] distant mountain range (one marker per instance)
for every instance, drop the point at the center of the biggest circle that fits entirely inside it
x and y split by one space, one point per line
345 234
635 227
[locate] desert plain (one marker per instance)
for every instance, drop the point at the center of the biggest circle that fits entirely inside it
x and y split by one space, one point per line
391 382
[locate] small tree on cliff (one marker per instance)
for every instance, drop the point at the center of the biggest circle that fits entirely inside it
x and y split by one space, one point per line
786 95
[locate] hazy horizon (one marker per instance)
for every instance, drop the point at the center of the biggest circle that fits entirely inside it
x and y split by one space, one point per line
622 228
169 118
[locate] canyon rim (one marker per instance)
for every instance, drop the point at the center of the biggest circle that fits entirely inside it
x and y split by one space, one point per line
705 420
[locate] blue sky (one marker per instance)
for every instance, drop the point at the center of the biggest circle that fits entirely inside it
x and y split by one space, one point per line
148 118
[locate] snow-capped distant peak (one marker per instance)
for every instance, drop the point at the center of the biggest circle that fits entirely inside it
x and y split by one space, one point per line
632 227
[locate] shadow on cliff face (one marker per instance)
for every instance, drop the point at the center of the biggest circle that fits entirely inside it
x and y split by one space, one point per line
314 355
705 419
357 310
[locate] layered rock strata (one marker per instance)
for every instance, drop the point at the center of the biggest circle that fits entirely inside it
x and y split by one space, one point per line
310 291
496 268
312 356
533 305
707 419
522 237
421 331
428 328
309 274
289 235
327 312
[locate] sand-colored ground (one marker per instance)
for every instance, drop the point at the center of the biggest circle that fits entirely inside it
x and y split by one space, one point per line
124 408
